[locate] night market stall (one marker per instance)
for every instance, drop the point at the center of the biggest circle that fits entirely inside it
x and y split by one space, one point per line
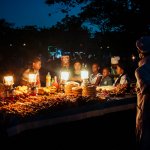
28 107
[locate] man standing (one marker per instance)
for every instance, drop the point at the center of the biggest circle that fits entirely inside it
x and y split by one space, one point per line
142 74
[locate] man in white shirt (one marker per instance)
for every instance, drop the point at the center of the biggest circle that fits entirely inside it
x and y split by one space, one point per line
95 77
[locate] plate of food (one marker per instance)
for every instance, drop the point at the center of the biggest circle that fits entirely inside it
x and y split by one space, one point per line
105 88
72 83
47 90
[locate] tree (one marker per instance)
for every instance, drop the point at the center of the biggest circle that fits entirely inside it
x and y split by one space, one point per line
112 15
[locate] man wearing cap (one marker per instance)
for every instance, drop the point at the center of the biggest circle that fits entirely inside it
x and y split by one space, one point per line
142 74
114 63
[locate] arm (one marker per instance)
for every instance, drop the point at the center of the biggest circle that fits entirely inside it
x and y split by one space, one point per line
124 80
98 80
143 83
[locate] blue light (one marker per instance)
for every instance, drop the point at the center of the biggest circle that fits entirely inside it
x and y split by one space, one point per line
58 53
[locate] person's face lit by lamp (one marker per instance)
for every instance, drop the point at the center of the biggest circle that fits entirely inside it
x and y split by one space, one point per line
32 84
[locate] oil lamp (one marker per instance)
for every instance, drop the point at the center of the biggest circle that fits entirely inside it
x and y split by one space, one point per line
84 76
64 75
32 84
64 78
8 82
32 78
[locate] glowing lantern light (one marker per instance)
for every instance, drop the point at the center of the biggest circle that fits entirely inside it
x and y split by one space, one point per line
65 75
32 78
84 74
133 57
8 80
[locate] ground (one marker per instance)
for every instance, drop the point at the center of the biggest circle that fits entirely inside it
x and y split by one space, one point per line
114 131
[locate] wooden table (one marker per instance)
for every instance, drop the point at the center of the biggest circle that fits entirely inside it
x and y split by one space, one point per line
17 125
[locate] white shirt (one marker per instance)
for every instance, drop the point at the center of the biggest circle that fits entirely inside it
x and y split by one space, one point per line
93 78
123 79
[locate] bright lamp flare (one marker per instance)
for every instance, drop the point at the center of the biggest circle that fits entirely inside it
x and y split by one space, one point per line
8 80
32 78
84 74
133 57
64 76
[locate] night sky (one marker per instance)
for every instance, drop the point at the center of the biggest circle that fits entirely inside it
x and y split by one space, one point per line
33 12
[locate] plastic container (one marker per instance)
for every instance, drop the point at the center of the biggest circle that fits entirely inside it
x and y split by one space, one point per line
48 80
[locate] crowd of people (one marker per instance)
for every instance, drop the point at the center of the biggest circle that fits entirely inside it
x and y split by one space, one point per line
97 77
115 75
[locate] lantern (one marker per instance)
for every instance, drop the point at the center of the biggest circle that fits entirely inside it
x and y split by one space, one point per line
8 80
133 57
32 78
84 74
64 75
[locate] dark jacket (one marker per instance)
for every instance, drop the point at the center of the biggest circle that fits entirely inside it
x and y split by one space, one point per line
106 81
143 101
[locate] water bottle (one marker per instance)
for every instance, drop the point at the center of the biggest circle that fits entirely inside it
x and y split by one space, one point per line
48 80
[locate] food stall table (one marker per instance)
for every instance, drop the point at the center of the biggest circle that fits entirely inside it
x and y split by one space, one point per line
12 124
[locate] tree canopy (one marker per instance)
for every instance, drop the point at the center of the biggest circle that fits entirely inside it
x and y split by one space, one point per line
110 15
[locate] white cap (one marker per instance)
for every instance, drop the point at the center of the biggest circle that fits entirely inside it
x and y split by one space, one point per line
115 60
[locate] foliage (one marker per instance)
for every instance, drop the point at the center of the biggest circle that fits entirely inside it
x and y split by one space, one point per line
109 15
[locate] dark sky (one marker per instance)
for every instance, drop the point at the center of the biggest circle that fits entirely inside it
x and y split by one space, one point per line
32 12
